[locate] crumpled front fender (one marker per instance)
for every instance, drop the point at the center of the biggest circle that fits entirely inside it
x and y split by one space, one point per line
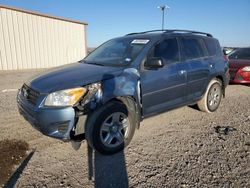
126 84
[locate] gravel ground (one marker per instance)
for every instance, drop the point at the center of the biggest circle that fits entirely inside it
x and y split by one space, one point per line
180 148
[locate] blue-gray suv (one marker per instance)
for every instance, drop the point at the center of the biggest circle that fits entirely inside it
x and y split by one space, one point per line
104 97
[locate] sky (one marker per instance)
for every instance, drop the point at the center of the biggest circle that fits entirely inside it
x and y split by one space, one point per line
227 20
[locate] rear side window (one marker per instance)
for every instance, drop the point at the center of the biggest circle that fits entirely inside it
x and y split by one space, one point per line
243 53
212 46
192 48
168 50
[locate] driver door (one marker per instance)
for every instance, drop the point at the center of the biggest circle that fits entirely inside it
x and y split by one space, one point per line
164 88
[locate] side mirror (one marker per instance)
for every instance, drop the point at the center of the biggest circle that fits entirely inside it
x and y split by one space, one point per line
154 63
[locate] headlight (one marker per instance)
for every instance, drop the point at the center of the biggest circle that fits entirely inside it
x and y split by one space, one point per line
66 97
246 69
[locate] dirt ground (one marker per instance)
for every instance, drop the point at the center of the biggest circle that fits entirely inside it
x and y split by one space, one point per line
180 148
12 153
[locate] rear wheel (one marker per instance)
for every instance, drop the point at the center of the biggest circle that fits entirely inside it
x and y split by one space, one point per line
212 98
111 128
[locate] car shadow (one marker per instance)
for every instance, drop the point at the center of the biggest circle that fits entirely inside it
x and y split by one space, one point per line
107 170
194 106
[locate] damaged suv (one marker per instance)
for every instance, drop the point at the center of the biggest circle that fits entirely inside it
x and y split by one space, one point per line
104 97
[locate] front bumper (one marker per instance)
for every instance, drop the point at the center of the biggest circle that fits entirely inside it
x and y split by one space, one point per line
54 122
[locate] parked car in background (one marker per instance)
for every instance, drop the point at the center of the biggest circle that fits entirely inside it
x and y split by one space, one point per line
228 50
105 96
239 66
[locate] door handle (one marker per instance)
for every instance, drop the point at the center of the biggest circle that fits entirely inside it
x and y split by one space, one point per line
182 72
211 65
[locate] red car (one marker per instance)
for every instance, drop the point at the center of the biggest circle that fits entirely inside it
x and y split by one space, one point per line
239 66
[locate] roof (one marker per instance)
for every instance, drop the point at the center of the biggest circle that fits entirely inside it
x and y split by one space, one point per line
175 32
41 14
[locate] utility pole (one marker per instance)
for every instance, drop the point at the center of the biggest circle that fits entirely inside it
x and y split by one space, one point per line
162 8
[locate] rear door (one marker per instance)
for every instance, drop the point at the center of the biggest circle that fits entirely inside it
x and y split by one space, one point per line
194 53
164 88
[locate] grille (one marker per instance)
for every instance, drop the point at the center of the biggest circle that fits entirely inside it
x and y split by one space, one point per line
30 94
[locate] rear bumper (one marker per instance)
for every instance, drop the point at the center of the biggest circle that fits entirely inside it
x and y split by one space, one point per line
240 77
54 122
239 82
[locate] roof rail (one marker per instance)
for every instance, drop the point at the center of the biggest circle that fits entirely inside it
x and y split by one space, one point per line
188 31
150 31
173 31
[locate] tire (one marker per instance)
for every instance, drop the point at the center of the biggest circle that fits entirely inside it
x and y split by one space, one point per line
110 128
211 100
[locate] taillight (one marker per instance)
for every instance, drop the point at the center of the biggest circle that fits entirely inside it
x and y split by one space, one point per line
246 69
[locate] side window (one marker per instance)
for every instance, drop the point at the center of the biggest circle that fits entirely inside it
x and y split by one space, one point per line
192 48
168 50
212 46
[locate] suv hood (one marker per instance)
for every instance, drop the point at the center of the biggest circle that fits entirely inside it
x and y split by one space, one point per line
70 76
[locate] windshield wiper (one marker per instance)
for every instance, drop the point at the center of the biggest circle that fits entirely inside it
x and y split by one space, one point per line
92 63
82 61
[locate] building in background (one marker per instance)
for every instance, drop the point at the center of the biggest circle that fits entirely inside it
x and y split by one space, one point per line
30 40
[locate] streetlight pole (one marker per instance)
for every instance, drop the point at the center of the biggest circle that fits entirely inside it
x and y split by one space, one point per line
162 8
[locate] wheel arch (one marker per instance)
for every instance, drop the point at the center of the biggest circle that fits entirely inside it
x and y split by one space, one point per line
129 102
219 77
92 128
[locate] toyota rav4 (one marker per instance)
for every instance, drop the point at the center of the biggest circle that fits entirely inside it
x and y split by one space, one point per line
104 97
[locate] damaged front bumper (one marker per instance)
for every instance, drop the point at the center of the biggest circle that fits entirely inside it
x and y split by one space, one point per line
54 122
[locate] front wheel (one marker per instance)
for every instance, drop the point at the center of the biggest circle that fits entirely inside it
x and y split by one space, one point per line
111 128
211 100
